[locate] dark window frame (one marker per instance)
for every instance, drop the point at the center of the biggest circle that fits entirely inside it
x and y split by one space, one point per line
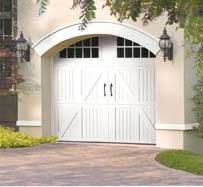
90 49
124 46
8 16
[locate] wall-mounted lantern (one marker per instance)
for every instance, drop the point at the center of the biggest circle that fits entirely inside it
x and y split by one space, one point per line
23 48
166 45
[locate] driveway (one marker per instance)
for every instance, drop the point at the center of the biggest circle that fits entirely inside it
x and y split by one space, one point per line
88 164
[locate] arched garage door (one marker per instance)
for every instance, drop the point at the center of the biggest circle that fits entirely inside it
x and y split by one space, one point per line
105 91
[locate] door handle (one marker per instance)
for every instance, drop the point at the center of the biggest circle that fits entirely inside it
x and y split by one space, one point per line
104 89
111 86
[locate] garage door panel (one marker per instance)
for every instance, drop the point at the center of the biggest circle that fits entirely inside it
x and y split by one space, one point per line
126 87
134 125
96 86
147 129
146 83
147 133
127 124
68 85
98 124
92 87
149 112
69 125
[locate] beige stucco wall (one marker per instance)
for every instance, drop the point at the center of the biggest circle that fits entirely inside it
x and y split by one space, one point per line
32 131
192 142
190 77
170 80
170 139
29 100
170 84
59 13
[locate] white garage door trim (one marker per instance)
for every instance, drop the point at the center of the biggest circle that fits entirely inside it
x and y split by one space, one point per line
97 28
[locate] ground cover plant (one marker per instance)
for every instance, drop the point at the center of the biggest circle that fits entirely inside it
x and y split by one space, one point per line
9 138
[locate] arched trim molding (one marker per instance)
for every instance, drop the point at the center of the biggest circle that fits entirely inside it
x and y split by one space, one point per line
97 28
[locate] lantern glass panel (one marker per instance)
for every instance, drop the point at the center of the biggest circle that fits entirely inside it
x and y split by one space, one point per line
168 44
19 46
25 46
162 44
165 44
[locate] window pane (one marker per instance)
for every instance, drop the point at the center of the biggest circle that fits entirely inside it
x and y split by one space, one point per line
79 44
145 53
86 42
136 52
78 52
152 55
95 52
71 53
86 52
120 41
1 5
120 52
8 26
7 5
128 43
1 27
95 41
136 44
62 54
128 52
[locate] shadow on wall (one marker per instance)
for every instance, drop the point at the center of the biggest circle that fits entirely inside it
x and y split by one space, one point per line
31 84
192 142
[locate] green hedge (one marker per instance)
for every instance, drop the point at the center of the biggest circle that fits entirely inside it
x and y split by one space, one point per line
198 106
9 138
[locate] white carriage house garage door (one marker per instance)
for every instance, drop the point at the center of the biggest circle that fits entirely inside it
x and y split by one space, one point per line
105 91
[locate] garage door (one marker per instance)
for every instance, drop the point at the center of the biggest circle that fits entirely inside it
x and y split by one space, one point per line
105 91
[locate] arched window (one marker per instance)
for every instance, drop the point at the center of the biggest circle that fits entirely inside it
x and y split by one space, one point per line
88 48
129 49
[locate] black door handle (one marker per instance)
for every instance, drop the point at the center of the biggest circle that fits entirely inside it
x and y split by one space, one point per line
111 86
104 89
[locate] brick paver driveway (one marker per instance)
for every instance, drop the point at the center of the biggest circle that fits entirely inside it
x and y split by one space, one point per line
88 164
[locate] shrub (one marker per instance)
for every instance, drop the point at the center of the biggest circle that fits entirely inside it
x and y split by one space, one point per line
198 108
9 138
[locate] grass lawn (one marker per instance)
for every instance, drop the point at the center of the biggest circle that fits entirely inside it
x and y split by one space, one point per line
182 160
9 138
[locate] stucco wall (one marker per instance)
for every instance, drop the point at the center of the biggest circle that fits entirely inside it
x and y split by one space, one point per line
170 139
190 77
29 100
170 83
192 142
32 131
59 13
170 80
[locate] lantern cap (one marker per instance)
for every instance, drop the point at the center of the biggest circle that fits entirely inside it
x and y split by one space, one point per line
165 35
21 39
